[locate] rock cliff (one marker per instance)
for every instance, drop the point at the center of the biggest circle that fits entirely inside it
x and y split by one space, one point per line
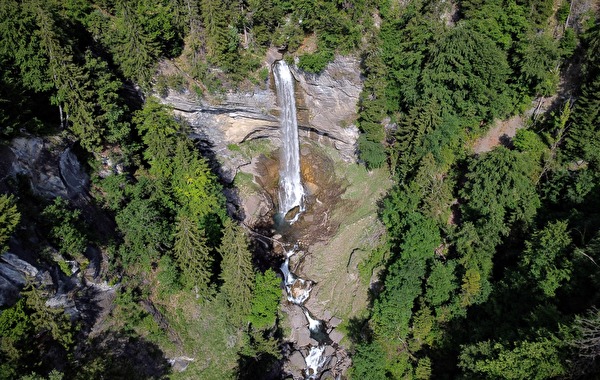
326 103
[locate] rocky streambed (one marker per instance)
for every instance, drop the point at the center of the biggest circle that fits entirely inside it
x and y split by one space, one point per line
320 275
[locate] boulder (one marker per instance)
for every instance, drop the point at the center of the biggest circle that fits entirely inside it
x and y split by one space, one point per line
9 292
303 338
335 321
13 276
50 174
296 360
336 336
333 362
180 363
329 350
273 54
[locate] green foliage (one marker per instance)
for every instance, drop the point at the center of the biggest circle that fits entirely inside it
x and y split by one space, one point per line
368 362
112 191
544 257
145 231
528 141
67 230
159 133
583 135
53 375
193 256
168 278
22 325
9 219
15 328
500 189
137 34
468 74
195 186
538 62
316 62
265 300
237 273
371 152
441 283
538 359
403 282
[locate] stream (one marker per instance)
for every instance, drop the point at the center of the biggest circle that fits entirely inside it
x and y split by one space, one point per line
321 350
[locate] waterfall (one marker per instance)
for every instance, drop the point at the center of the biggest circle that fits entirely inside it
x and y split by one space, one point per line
291 192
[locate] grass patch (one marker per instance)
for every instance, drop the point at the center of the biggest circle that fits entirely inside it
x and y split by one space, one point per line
245 182
253 148
207 337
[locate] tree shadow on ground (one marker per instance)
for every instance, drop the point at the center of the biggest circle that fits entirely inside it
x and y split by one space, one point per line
116 355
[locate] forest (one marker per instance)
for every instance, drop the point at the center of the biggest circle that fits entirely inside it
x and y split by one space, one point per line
490 260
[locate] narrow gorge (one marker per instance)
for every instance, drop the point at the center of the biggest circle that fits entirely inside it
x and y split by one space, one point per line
288 152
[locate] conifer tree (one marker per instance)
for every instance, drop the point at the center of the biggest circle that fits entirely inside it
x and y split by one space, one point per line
237 273
9 218
192 254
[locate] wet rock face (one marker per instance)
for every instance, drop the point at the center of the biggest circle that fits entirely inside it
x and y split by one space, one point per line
326 105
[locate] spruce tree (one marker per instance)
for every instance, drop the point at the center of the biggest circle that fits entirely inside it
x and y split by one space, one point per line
237 273
9 218
192 254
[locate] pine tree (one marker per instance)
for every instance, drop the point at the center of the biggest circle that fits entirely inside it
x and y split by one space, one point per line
237 273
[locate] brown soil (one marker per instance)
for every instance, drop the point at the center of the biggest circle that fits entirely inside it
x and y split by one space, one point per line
498 134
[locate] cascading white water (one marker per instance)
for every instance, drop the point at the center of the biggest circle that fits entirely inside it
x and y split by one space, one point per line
313 324
291 192
298 289
314 360
291 196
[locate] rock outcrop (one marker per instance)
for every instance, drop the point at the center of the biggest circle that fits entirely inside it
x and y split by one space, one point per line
14 273
50 174
327 105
